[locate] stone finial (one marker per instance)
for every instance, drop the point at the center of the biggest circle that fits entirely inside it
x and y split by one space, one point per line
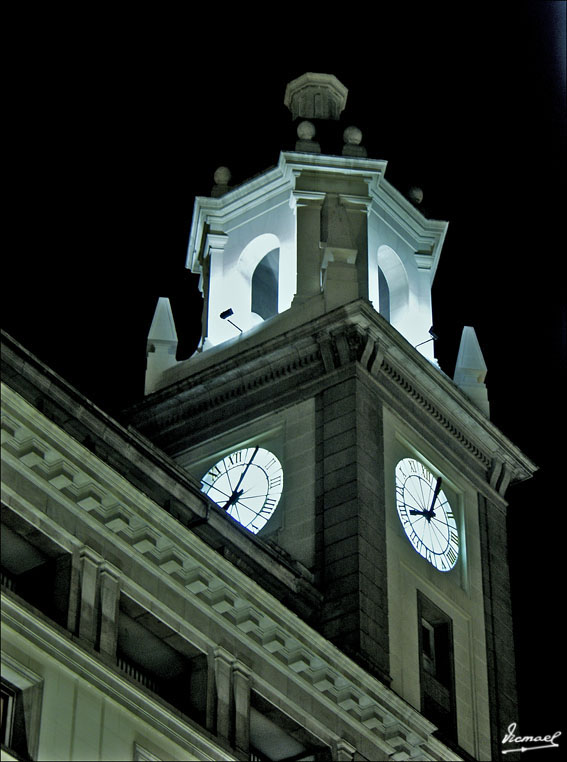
306 130
353 138
163 324
415 195
316 96
222 178
161 345
306 133
470 370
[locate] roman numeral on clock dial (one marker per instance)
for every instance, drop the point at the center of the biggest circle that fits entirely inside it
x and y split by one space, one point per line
426 514
247 484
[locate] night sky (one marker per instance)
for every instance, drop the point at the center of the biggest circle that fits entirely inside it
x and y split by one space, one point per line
120 122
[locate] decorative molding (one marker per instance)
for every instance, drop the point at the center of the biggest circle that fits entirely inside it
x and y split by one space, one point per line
16 618
395 374
309 357
260 620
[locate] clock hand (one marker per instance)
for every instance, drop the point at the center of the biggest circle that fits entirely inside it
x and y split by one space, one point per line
431 513
235 492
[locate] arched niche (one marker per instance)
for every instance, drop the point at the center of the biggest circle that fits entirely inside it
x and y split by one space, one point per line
258 267
393 286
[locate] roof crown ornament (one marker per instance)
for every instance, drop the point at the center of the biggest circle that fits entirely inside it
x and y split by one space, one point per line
316 96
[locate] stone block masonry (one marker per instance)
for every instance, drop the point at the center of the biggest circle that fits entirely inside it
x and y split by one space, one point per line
351 506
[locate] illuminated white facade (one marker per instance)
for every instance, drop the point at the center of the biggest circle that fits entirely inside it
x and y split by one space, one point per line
342 232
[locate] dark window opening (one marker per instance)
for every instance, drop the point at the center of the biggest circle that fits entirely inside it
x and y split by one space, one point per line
36 569
383 295
437 679
158 658
275 737
265 285
14 737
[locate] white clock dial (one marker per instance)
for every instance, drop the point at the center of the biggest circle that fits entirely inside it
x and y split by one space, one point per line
426 515
247 484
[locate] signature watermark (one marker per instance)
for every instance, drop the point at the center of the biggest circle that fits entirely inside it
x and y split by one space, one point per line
528 743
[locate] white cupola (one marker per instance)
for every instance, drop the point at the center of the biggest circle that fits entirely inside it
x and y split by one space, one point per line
320 229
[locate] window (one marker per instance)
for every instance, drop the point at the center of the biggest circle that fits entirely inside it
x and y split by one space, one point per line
8 706
437 667
275 737
393 286
158 658
35 568
21 693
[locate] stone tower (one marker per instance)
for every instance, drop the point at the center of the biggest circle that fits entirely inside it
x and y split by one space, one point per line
315 416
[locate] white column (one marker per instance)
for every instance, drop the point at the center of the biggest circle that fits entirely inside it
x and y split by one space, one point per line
308 205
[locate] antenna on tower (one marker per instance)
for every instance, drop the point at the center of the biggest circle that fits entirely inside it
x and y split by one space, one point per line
226 315
433 335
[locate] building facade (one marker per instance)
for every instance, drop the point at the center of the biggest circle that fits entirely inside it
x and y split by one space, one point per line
297 548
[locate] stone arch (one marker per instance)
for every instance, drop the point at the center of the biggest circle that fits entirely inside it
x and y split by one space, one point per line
253 253
393 285
260 257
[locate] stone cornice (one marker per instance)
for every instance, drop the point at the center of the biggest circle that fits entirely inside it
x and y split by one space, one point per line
93 428
423 235
217 214
289 352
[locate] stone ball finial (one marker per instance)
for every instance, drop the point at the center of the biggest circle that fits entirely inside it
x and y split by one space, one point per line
352 136
222 176
415 194
306 130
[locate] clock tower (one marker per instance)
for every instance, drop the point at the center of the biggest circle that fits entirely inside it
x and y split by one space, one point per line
315 415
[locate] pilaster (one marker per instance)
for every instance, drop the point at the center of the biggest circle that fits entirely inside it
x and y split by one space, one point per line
89 563
353 536
109 605
308 206
500 650
223 661
241 687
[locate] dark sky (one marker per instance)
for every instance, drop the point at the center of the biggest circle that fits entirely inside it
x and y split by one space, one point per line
120 122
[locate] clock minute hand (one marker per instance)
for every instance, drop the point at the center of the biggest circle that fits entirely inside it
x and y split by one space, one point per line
235 493
430 513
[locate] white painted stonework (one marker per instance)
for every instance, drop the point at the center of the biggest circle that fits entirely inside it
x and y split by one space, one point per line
383 239
262 214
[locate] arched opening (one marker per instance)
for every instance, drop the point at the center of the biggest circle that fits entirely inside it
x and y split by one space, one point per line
383 295
265 285
258 267
393 286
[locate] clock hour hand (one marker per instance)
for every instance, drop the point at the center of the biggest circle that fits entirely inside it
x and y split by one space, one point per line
428 514
236 492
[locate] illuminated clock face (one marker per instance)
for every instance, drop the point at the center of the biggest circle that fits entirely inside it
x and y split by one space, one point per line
247 484
426 515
